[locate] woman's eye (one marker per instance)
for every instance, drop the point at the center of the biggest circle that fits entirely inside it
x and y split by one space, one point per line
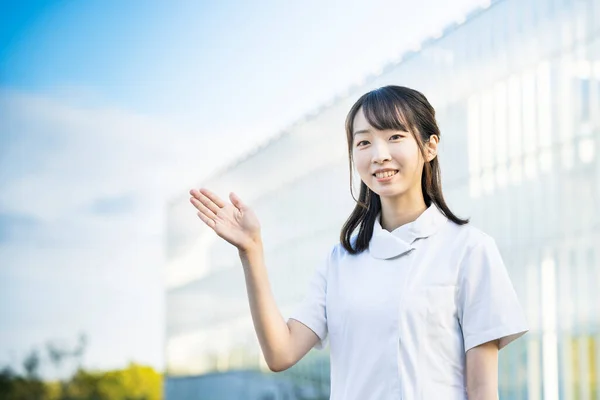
362 143
396 137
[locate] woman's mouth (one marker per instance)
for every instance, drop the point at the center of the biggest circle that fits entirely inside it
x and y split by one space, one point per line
385 174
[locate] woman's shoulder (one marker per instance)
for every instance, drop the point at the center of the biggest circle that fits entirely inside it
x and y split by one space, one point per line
468 235
338 252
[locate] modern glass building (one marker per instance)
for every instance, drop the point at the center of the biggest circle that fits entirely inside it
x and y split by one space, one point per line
516 87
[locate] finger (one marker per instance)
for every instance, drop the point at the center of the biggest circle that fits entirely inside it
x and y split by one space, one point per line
213 197
208 203
203 209
210 222
201 196
195 193
236 201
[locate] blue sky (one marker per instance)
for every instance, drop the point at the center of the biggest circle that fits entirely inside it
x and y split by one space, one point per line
109 108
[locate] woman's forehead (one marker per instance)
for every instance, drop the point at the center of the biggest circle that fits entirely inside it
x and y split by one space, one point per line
370 116
361 124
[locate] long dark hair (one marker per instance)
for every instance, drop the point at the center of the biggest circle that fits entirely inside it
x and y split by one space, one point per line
394 108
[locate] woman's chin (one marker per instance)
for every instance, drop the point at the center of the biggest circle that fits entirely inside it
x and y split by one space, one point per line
389 192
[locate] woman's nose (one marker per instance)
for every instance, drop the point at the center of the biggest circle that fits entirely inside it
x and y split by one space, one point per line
381 153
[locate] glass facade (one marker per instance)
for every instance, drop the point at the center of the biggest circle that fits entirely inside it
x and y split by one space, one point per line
516 88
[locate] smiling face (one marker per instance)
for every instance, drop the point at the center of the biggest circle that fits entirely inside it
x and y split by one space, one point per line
388 161
391 130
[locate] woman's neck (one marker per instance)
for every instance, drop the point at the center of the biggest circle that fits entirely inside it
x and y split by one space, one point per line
396 212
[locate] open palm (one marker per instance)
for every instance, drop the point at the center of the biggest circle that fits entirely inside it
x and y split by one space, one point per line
234 222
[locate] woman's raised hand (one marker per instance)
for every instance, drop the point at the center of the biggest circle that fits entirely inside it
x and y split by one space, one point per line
234 222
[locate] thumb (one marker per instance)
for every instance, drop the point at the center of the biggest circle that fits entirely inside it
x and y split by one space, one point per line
236 201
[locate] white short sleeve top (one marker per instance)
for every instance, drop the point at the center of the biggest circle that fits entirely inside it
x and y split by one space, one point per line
400 316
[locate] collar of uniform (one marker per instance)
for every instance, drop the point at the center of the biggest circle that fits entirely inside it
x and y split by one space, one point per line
385 245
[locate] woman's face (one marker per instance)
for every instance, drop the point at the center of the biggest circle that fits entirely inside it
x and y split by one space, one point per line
389 162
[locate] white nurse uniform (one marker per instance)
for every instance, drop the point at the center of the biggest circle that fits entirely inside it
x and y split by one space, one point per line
400 316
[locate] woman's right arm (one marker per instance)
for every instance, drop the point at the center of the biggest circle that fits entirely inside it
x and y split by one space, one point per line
283 344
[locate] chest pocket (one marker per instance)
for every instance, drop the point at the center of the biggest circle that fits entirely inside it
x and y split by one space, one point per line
439 309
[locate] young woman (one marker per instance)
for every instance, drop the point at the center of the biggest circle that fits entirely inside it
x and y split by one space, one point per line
414 301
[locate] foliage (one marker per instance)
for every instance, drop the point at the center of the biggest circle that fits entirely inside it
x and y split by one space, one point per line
135 382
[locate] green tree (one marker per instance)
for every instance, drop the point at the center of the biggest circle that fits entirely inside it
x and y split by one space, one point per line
23 387
135 382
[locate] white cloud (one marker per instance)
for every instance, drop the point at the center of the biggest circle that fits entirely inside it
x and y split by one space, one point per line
79 268
88 154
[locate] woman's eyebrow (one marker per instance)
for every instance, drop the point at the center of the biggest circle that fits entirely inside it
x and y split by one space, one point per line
362 131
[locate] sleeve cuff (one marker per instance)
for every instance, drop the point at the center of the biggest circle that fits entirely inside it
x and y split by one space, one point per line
323 337
505 334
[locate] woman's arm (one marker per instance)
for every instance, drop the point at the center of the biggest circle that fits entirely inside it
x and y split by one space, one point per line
282 344
482 371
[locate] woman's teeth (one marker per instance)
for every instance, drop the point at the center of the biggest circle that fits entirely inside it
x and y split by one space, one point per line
385 174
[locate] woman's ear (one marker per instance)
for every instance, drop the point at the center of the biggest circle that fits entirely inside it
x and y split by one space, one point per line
431 147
